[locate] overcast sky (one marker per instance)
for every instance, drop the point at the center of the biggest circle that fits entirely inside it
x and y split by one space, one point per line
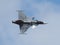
45 10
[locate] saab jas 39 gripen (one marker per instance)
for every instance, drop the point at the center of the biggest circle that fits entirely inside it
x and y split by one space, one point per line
24 22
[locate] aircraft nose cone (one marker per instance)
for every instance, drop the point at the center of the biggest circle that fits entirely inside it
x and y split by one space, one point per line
45 23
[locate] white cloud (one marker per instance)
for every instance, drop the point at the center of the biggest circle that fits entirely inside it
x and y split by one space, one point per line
7 13
45 11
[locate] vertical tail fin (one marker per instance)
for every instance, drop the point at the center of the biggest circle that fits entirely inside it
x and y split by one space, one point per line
21 15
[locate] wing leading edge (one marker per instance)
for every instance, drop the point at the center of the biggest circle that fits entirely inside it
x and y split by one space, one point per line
24 27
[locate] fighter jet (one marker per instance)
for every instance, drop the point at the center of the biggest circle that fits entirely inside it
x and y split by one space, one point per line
25 22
